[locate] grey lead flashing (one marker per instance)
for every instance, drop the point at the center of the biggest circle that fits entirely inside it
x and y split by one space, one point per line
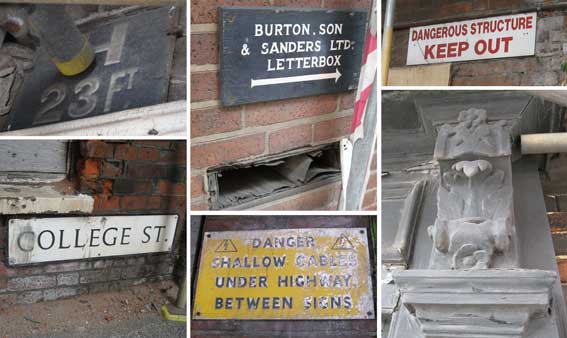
400 251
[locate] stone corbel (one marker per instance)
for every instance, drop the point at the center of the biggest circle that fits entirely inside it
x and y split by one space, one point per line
474 228
474 287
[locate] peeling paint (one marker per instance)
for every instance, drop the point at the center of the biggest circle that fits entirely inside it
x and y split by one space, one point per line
44 199
285 274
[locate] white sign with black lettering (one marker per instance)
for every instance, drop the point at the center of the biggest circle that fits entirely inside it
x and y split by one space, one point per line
37 240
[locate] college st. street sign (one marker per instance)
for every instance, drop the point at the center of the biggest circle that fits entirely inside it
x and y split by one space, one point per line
50 239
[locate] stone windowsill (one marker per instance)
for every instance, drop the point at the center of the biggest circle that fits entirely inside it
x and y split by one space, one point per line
43 199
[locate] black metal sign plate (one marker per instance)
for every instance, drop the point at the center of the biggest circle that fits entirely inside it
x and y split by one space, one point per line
133 60
276 53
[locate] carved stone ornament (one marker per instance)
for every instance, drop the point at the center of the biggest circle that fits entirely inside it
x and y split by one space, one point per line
473 137
474 287
475 304
474 228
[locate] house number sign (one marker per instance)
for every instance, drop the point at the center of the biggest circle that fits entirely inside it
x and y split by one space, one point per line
131 70
285 274
37 240
275 53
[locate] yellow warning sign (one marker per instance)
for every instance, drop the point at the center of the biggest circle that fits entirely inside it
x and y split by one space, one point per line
285 274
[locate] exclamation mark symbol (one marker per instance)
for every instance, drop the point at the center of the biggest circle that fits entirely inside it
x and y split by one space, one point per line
226 245
342 243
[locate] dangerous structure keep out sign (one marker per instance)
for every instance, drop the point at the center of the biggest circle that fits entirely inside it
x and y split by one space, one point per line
487 38
285 274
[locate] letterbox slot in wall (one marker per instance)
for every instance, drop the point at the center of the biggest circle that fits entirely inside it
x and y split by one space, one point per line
250 184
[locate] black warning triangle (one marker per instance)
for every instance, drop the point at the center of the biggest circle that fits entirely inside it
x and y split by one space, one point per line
343 243
226 245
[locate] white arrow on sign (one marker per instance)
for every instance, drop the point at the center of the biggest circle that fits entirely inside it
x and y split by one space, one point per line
292 79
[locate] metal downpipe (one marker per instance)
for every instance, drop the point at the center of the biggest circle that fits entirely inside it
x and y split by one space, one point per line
544 143
387 39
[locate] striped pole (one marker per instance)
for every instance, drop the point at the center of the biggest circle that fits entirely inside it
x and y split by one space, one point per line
351 196
368 73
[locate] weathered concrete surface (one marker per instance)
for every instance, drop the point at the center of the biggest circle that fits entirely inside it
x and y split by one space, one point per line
471 303
133 313
30 199
166 119
150 327
535 243
33 161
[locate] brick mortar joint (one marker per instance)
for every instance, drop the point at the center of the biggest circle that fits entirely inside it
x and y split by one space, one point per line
204 28
56 274
76 286
249 131
209 67
200 199
81 285
198 172
205 104
160 255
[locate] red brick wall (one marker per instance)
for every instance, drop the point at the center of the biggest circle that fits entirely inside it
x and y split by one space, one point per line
364 328
542 69
125 178
224 135
134 176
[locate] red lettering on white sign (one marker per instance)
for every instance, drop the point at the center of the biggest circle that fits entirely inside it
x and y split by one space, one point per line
498 37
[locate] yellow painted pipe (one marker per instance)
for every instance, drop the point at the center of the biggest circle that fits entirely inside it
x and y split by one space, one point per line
172 316
180 309
386 54
69 49
78 64
181 302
